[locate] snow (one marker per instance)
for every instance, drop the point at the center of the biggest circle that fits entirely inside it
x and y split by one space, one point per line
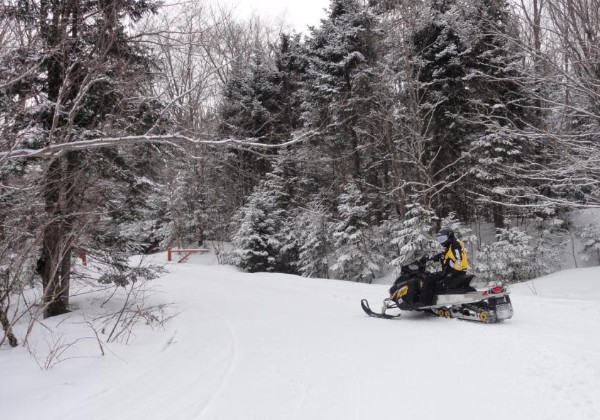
273 346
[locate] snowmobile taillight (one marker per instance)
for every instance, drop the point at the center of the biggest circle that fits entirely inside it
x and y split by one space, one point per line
497 289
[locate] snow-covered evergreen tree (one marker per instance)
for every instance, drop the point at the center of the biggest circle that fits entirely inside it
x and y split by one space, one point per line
249 109
337 93
468 73
515 256
440 66
291 64
500 105
265 240
590 237
357 256
254 249
259 101
414 234
314 242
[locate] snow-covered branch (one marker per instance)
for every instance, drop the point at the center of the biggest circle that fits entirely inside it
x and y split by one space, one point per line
177 140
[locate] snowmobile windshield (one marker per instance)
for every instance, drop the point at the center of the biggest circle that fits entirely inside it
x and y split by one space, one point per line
442 238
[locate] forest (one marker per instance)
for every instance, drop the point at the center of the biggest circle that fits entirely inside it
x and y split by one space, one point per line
129 126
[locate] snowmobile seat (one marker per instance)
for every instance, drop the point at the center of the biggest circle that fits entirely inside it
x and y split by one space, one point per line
456 291
457 284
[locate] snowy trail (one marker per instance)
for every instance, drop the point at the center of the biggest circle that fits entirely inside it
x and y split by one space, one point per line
271 346
169 379
306 351
277 373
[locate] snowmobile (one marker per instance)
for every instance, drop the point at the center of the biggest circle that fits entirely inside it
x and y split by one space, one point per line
452 298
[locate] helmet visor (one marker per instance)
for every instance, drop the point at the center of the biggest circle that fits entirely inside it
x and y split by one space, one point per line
441 238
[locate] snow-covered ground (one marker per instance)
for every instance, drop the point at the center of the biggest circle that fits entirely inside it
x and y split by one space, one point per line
277 347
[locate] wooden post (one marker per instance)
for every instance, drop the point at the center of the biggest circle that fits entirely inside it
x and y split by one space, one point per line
184 254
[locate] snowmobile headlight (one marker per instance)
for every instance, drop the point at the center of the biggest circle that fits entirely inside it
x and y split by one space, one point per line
400 293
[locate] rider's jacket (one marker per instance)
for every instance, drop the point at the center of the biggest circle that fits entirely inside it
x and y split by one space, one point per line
455 257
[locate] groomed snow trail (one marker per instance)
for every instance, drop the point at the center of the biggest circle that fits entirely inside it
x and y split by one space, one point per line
271 346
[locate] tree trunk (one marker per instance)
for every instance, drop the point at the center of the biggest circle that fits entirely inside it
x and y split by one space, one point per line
396 171
56 245
355 153
498 217
12 340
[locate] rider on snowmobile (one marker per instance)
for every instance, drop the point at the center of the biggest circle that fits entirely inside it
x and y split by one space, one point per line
454 265
454 258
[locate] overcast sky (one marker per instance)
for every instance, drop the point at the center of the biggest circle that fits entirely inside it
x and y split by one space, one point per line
297 13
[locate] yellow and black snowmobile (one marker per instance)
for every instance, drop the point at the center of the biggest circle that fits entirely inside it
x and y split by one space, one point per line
445 296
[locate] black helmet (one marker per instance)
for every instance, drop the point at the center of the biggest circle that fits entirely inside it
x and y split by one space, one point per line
445 236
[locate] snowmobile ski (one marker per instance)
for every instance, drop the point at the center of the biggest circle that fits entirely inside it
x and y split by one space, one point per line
365 306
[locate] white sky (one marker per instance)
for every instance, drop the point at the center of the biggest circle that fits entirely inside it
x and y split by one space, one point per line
297 13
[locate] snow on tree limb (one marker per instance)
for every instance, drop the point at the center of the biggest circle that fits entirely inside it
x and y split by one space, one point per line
177 140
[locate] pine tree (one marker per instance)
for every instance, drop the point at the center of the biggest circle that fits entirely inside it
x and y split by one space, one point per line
82 70
314 241
291 64
475 107
414 234
499 103
440 67
254 249
265 240
250 108
337 93
260 101
357 256
590 237
515 257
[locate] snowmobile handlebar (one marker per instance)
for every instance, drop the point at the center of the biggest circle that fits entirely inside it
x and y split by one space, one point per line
416 266
435 258
419 265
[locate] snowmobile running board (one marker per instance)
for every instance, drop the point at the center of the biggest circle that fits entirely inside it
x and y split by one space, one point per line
464 298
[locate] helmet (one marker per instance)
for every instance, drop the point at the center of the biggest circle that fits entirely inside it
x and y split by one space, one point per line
445 236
